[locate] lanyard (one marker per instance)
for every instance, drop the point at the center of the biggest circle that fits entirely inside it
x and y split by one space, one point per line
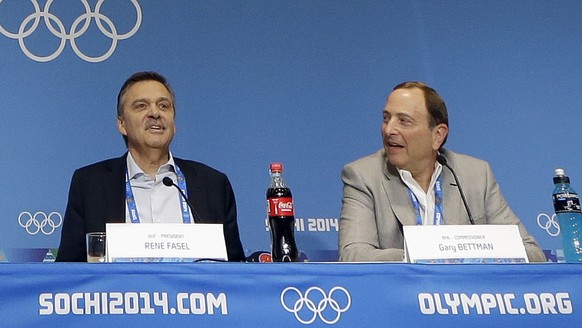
438 206
132 207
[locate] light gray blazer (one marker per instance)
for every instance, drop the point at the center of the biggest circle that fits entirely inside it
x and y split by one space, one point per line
376 204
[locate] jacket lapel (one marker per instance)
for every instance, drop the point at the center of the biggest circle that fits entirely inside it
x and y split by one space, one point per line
114 183
452 203
398 198
196 194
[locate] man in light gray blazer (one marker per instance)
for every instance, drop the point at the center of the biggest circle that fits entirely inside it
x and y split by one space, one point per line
404 184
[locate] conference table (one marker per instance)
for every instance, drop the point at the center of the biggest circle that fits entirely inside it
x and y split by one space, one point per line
289 295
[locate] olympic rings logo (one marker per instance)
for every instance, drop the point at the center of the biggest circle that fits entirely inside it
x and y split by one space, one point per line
77 29
549 224
40 222
314 303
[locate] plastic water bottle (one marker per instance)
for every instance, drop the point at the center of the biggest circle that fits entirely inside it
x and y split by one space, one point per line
567 207
281 217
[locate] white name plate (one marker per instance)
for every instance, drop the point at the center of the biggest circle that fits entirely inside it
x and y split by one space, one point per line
164 242
464 244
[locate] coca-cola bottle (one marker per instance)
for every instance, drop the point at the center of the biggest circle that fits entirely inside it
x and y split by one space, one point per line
281 217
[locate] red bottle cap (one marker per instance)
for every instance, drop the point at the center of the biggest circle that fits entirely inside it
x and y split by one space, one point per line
276 167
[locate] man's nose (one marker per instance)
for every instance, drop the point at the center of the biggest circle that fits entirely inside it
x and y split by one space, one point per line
154 111
389 127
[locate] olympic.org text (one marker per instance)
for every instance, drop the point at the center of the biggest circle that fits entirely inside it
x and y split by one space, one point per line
113 303
511 304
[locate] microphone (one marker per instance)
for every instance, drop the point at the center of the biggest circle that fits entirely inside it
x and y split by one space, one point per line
443 160
169 182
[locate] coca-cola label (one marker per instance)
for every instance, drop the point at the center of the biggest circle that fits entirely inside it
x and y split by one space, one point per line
282 206
566 202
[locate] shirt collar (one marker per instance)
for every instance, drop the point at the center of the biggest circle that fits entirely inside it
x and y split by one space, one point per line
134 170
406 176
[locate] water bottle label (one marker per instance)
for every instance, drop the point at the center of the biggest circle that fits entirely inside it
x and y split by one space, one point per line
566 203
281 206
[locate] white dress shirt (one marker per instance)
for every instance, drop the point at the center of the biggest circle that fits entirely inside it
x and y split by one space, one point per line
426 200
155 202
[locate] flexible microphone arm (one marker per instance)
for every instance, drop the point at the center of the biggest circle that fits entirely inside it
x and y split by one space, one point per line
443 160
169 182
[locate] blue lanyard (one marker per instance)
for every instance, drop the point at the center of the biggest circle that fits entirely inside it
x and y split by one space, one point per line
132 207
438 204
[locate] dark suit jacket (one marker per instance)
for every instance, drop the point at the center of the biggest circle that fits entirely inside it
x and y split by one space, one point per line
97 196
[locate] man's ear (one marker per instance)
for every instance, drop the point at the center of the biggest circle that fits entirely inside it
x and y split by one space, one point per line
121 126
439 134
